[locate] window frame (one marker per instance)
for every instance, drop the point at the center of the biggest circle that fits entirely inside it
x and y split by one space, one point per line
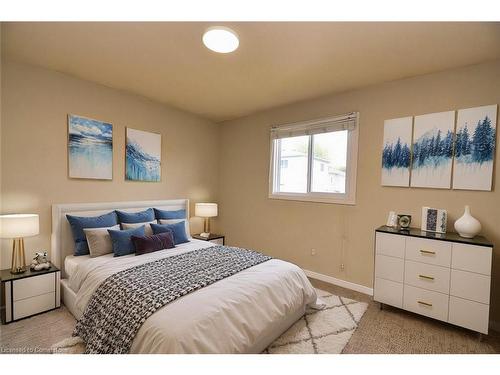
347 198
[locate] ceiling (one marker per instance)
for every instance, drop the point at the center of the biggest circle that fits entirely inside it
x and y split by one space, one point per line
276 63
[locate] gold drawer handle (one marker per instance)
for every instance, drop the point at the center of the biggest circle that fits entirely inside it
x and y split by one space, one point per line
426 277
428 252
425 303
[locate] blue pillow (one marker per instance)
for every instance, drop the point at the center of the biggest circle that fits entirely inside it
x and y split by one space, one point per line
178 230
166 215
136 217
122 240
79 223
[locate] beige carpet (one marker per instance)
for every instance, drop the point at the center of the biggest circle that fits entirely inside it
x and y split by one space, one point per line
388 331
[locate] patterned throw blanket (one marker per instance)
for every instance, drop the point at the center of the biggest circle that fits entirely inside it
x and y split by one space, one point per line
123 302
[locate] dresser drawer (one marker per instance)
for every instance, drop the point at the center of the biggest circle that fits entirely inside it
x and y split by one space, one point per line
472 258
388 292
389 268
472 286
426 302
33 286
34 305
428 251
390 244
427 276
469 314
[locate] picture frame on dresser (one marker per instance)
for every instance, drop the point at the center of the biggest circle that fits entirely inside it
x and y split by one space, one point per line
441 276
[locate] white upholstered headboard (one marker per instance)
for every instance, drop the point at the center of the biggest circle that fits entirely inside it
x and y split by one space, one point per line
62 243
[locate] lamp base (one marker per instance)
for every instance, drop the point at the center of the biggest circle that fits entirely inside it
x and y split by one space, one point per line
205 235
18 270
18 264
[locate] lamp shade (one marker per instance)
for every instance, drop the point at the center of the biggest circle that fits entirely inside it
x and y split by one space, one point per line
205 209
18 225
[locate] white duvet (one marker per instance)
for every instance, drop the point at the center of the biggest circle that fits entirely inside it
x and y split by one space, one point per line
243 313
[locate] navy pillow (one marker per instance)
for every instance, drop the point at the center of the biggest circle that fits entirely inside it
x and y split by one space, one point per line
156 242
122 242
166 215
79 223
178 230
136 217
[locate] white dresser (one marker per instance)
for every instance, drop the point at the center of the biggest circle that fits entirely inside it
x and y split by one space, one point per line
444 277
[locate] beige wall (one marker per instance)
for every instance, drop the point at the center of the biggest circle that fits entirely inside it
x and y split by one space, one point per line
35 103
345 234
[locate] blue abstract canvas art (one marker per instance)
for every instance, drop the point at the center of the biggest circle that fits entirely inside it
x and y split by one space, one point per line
142 156
433 136
475 148
90 148
396 153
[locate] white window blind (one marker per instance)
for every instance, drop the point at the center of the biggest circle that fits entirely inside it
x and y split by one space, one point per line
324 125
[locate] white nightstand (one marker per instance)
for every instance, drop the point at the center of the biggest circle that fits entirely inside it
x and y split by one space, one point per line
218 239
29 293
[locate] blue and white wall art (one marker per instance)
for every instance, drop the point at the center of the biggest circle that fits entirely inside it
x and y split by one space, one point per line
396 152
142 156
475 148
90 148
433 150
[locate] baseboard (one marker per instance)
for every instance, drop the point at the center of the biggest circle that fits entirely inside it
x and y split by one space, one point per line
344 284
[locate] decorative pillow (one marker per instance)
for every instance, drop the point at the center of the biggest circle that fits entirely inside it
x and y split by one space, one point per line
136 217
175 221
163 214
149 244
122 244
147 226
177 229
78 223
99 241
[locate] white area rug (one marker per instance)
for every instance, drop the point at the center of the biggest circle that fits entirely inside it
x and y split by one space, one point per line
324 331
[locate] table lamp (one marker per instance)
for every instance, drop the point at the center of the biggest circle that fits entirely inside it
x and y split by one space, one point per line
18 226
206 210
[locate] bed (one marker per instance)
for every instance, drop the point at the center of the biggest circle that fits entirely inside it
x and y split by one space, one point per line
242 313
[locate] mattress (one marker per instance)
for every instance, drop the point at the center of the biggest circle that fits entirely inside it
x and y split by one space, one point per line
242 313
71 263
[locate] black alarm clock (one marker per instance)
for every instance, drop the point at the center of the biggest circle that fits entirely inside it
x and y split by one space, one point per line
404 221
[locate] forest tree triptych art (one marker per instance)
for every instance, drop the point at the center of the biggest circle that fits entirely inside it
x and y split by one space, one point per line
429 151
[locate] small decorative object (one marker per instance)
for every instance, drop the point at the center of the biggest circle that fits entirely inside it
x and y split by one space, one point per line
142 156
434 220
90 148
475 148
18 226
392 220
467 226
40 262
404 221
396 154
206 210
433 150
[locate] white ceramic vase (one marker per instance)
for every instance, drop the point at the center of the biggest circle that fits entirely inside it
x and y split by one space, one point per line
467 226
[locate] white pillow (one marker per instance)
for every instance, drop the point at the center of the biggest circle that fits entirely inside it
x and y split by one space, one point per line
174 221
99 240
147 226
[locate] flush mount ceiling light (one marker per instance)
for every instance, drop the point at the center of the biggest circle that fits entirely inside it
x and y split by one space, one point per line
221 39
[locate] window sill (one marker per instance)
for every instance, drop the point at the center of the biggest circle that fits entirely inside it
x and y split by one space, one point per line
350 201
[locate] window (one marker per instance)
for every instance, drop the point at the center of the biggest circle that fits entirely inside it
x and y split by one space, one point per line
315 160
